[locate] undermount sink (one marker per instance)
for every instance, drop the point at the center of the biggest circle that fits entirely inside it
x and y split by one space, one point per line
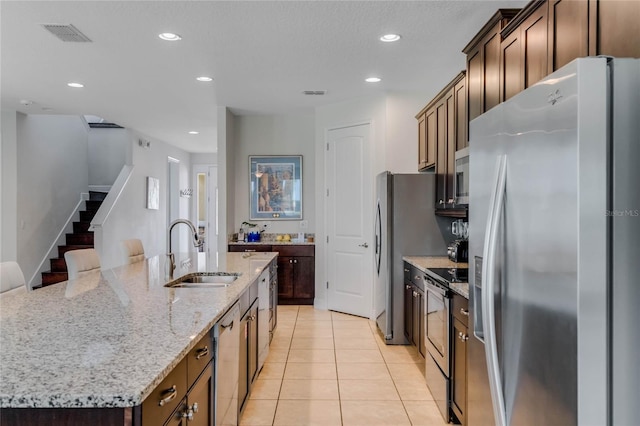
204 280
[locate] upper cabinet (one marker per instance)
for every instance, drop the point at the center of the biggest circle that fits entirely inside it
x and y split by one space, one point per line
483 64
442 130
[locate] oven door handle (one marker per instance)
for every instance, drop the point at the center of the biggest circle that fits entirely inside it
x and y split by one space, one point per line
436 289
496 208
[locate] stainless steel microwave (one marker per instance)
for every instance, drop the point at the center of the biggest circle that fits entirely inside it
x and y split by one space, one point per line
461 182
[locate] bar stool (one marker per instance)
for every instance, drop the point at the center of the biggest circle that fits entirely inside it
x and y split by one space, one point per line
12 279
133 250
81 262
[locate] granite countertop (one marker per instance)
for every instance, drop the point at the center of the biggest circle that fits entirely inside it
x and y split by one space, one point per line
425 262
109 338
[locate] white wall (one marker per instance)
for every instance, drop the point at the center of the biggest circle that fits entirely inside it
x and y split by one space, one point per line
275 135
131 219
401 147
8 187
52 172
226 174
109 150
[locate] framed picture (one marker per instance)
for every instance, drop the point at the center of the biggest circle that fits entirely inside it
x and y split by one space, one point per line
275 187
153 193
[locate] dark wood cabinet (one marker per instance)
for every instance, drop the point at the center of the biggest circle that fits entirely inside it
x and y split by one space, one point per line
483 64
414 309
459 338
442 126
248 363
296 270
426 141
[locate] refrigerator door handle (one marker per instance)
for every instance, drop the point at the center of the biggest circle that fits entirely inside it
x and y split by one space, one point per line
496 207
378 232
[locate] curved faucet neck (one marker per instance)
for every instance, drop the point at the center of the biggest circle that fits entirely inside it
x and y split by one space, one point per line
176 222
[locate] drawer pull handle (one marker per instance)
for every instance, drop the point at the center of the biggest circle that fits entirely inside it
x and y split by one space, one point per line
406 270
170 393
464 312
463 336
229 326
246 250
202 352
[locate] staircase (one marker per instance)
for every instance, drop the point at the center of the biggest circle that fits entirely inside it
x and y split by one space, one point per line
80 238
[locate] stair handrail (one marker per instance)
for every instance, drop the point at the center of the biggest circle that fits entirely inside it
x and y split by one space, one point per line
83 197
112 197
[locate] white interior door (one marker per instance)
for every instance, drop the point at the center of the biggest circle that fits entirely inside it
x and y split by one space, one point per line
349 220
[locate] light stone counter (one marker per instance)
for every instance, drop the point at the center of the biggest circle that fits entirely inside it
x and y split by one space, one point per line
425 262
108 339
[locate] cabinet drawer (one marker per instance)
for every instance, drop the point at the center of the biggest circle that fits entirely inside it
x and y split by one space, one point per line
407 272
169 393
249 247
198 358
294 250
417 277
460 309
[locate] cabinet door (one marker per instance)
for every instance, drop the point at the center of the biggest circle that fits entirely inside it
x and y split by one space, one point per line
200 402
418 320
408 311
533 34
252 350
568 32
450 146
431 136
459 374
243 362
462 131
422 142
491 75
474 83
613 28
285 277
177 418
511 66
304 277
441 153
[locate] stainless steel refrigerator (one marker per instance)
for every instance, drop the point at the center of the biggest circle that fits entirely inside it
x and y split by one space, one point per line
406 225
554 251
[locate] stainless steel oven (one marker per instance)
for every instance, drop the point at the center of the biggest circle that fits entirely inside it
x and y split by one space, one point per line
437 329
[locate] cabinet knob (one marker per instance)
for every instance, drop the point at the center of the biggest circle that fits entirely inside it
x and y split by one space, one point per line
406 270
464 312
463 336
295 260
415 294
290 260
407 286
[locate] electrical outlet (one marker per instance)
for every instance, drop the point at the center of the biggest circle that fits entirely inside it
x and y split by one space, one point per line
304 224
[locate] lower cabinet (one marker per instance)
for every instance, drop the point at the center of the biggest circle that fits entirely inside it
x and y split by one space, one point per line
459 337
296 270
248 364
414 310
186 394
296 274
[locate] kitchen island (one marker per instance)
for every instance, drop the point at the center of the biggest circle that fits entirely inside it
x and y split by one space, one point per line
106 340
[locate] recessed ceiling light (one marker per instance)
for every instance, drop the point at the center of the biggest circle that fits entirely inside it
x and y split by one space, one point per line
204 78
372 80
193 132
388 38
169 36
76 85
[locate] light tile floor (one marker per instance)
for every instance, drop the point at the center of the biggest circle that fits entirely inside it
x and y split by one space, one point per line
327 368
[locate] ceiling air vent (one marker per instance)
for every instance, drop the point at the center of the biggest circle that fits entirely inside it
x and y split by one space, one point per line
66 32
314 92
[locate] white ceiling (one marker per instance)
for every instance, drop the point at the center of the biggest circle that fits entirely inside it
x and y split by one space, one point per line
261 54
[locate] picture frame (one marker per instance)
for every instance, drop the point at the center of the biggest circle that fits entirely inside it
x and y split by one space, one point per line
275 187
153 193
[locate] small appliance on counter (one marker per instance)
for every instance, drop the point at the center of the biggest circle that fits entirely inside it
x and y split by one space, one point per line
458 251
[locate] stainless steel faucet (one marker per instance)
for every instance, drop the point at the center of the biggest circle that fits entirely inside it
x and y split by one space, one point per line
197 242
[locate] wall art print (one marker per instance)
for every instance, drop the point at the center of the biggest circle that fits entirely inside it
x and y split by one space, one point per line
275 187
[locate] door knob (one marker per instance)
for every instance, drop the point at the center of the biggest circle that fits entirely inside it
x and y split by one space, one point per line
365 245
